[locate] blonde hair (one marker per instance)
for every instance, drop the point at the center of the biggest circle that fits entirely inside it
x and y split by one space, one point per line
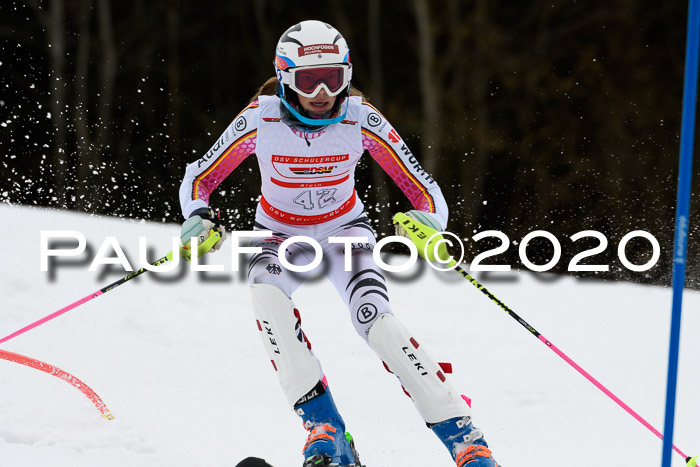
269 88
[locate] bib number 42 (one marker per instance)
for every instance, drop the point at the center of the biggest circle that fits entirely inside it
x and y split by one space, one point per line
310 199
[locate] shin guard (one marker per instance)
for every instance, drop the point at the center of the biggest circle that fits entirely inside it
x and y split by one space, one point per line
297 368
420 375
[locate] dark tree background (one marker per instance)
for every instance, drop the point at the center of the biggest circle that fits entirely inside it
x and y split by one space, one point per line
558 115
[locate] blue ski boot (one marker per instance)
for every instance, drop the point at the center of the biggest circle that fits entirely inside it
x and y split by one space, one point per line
327 444
465 442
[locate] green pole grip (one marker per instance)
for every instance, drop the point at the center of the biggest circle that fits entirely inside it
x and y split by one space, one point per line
425 238
203 248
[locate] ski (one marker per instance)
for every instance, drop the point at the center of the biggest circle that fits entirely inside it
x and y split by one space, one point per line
315 461
318 460
253 462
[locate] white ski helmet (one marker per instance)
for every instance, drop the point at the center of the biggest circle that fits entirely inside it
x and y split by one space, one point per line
310 56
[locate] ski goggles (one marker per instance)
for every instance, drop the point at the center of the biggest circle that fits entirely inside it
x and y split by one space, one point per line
308 81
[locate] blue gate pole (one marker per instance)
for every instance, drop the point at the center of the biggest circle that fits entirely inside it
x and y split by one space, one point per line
682 213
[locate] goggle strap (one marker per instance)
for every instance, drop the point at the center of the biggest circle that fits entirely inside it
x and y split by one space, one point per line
316 121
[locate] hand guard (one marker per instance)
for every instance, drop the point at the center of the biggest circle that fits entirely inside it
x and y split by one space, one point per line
417 227
424 218
200 225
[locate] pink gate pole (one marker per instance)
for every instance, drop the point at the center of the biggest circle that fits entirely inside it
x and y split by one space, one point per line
64 375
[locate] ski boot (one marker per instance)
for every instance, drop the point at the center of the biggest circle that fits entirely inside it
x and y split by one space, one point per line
465 442
327 443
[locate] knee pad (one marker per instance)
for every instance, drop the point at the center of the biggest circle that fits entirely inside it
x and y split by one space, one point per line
420 375
279 323
366 312
366 296
265 268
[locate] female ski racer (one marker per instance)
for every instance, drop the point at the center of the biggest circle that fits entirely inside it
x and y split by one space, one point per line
308 132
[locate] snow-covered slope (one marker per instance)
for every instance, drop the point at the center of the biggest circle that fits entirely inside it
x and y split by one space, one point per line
182 368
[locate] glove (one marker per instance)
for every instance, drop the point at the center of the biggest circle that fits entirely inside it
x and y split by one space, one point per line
200 224
425 218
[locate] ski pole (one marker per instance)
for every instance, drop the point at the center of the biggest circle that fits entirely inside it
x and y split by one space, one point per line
201 249
556 350
424 237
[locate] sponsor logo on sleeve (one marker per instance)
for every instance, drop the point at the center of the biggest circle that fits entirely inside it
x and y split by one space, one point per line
416 165
218 145
240 123
394 136
373 119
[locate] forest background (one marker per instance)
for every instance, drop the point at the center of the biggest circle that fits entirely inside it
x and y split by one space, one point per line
556 115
